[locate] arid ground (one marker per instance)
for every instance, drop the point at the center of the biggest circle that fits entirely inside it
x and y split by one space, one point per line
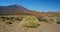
15 27
44 27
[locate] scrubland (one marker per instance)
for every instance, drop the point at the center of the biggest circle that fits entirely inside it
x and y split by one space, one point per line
29 24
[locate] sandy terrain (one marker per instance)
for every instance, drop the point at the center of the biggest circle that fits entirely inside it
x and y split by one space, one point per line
44 27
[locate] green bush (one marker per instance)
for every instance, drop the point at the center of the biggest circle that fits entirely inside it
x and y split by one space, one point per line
30 22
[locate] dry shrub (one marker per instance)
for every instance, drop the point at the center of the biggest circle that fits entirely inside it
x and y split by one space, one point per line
30 21
8 22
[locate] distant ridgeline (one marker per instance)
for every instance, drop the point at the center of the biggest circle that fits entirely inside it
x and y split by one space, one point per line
20 10
13 10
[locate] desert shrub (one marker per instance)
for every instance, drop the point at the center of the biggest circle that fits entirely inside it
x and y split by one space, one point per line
18 18
30 22
21 18
4 18
58 20
52 19
0 20
8 22
7 18
42 19
39 18
11 17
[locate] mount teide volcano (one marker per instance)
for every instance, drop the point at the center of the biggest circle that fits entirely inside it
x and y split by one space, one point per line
13 10
20 10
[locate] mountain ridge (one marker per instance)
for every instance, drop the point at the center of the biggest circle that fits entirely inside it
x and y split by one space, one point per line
13 9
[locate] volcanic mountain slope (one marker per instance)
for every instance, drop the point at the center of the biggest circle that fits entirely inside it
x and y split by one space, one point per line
13 9
20 10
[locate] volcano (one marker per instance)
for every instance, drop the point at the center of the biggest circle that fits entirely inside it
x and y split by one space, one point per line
13 10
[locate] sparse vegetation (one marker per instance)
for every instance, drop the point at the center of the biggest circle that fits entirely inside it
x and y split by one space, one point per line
10 20
30 22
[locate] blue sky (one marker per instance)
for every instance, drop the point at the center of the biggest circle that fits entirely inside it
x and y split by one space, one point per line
38 5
